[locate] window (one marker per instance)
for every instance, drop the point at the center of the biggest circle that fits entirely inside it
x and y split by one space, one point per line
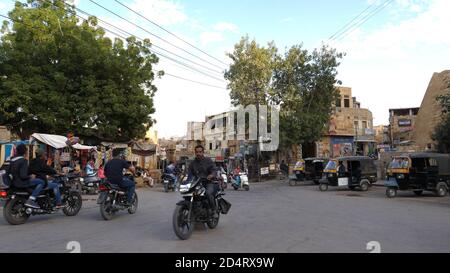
210 146
347 103
364 124
356 124
338 102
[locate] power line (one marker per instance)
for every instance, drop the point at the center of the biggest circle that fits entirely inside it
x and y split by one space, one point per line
382 7
154 35
348 24
154 45
363 20
176 36
172 75
152 50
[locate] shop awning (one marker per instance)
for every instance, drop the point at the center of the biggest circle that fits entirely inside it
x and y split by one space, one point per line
58 142
143 149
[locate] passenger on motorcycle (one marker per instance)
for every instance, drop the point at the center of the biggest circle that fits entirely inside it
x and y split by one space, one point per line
204 167
114 174
39 167
21 179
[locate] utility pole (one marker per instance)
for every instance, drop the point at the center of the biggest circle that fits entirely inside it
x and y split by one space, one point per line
257 134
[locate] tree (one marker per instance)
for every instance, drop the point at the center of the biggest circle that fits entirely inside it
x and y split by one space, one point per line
304 84
59 75
442 132
301 83
250 73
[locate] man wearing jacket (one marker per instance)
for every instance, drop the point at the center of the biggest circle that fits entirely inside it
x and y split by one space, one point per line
21 179
39 167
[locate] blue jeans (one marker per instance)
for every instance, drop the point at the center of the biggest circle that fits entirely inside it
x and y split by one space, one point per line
55 188
130 187
174 180
39 184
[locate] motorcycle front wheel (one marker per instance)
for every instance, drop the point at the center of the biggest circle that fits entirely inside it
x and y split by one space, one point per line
213 221
182 226
134 206
74 203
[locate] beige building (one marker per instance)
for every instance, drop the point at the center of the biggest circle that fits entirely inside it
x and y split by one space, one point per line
430 114
350 130
5 135
401 125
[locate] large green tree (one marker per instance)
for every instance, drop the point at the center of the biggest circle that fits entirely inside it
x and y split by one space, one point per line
301 83
59 74
304 85
442 131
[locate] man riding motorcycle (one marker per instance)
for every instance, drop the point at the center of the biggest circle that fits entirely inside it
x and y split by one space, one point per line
114 174
39 167
204 167
21 179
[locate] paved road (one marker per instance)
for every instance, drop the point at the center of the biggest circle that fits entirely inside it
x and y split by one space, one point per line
272 217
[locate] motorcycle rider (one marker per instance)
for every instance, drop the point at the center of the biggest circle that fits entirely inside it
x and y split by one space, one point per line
204 167
114 173
171 170
22 179
39 167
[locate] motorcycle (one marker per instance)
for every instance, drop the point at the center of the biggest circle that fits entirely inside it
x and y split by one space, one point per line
169 182
113 199
240 181
16 213
194 208
90 184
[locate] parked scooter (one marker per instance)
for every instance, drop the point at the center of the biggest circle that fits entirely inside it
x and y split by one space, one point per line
169 182
240 181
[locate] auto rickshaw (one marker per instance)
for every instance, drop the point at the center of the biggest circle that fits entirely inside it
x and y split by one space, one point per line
419 172
308 169
352 172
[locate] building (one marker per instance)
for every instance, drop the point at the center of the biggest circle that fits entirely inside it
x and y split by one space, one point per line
401 125
430 113
350 130
5 134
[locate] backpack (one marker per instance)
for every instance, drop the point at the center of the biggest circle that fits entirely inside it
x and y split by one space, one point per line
6 177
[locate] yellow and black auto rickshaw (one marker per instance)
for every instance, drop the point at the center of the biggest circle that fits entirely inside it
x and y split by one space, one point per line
351 172
419 172
309 169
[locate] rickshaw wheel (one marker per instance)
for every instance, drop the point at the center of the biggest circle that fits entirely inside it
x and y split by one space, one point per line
418 193
391 192
292 182
441 189
323 187
365 185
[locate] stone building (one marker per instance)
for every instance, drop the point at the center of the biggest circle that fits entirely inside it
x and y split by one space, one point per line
401 125
350 130
430 113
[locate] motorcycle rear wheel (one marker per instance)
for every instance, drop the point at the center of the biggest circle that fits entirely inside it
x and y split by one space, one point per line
106 210
14 212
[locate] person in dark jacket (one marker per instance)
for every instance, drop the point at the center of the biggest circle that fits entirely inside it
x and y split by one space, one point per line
21 177
39 167
203 167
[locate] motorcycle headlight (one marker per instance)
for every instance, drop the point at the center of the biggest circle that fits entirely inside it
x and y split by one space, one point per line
401 176
185 188
81 179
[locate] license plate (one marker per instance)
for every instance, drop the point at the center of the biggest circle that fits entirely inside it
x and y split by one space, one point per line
90 184
166 182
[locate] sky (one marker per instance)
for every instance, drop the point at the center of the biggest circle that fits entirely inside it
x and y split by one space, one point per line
391 54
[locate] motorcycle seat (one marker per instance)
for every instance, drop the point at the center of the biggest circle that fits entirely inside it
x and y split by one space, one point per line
117 187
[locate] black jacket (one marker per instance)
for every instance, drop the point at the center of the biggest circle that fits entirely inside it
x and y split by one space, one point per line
19 170
40 168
